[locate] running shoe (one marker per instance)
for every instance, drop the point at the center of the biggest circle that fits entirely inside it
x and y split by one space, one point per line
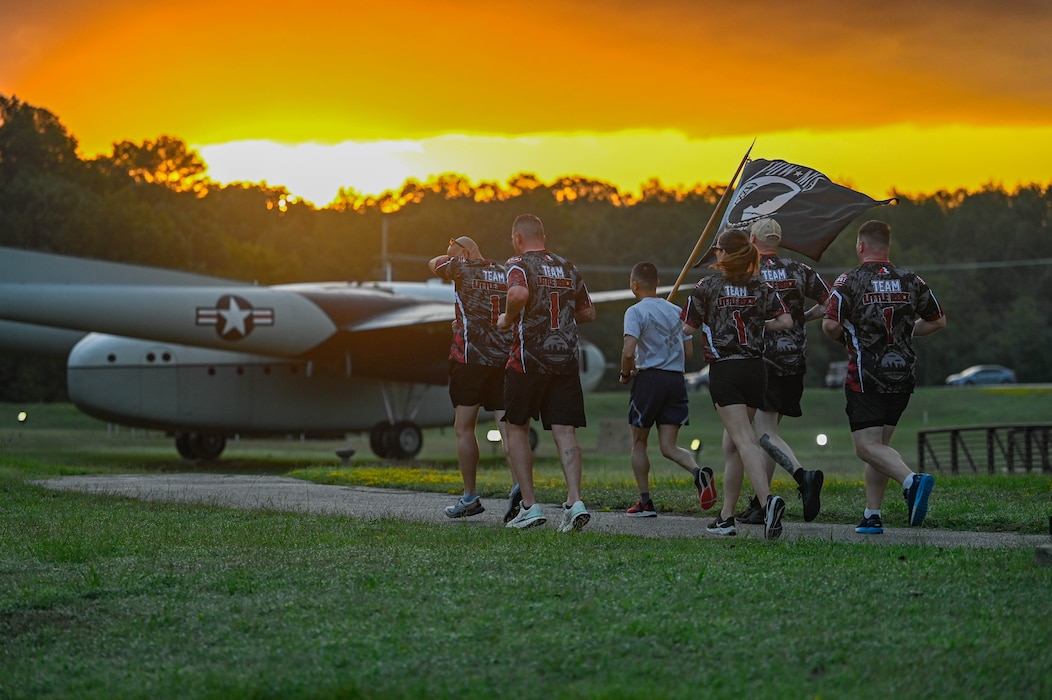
465 508
706 483
514 502
917 497
870 526
753 513
772 523
642 510
575 517
810 491
723 528
528 517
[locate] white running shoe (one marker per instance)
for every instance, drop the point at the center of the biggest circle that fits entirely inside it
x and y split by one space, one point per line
528 517
575 517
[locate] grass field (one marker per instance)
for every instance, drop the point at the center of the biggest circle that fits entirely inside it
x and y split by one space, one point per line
105 597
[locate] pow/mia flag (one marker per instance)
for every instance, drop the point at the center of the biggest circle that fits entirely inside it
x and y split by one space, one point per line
809 207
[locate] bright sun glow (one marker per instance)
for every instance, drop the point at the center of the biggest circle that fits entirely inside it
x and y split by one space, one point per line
876 161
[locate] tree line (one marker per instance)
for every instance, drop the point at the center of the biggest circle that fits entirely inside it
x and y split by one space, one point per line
985 253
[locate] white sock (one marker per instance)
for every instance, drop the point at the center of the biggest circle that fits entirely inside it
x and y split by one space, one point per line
908 481
869 513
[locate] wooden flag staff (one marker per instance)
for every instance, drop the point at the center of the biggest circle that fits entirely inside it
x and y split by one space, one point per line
705 234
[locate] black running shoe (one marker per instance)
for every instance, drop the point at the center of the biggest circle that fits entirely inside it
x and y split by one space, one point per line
514 504
753 513
870 526
723 528
772 524
810 492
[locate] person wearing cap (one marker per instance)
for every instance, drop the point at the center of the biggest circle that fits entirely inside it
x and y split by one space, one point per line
547 299
734 308
477 356
784 358
653 358
876 310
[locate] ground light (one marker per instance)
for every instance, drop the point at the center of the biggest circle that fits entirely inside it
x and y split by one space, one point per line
493 436
821 440
22 416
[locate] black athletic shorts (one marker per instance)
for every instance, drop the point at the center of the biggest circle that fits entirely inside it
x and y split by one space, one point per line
783 394
658 396
869 410
476 385
738 381
554 399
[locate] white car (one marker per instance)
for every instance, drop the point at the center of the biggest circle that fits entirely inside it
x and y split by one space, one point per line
982 374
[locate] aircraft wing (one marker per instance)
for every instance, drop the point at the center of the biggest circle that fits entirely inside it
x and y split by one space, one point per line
39 292
24 338
622 295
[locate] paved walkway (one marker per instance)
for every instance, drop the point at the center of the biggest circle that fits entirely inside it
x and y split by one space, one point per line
296 495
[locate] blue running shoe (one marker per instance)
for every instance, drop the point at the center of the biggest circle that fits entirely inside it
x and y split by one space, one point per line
917 497
465 507
870 526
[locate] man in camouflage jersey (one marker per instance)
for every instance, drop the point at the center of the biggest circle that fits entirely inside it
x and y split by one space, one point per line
784 355
477 355
547 298
876 310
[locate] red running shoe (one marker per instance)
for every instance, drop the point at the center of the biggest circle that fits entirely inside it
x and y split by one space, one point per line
642 510
706 483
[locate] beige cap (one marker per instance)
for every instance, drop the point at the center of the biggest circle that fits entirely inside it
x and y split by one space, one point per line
467 243
766 230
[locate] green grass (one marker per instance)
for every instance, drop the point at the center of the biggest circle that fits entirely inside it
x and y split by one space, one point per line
103 597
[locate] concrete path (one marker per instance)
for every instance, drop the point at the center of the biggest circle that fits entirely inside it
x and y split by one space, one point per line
296 495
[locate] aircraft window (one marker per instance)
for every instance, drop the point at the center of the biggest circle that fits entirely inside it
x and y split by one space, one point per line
111 358
150 357
240 370
167 357
211 371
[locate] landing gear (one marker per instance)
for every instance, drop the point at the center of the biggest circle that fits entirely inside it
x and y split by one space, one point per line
406 440
200 446
403 440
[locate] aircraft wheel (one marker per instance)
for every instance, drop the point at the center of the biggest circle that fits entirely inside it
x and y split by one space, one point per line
207 446
183 445
378 439
404 440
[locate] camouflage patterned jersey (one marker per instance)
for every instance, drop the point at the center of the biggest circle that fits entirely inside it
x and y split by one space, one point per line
731 316
785 351
544 336
878 303
481 293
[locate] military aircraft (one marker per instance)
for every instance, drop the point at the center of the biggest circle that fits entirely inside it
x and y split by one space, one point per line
206 358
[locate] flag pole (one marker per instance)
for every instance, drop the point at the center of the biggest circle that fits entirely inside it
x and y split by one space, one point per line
708 226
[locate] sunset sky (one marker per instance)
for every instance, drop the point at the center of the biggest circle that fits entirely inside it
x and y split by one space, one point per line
314 95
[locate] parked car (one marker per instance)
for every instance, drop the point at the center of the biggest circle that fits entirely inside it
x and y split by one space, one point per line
698 380
982 374
836 374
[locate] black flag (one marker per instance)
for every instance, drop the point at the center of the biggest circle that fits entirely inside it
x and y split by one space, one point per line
809 207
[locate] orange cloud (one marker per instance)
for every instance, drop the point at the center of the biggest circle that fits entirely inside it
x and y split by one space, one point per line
330 72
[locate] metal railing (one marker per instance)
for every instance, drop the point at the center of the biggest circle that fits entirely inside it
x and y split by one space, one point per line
995 448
